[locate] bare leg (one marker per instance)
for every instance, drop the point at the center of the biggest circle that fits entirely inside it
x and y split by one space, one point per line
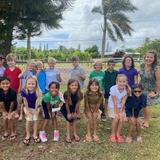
5 124
119 128
146 112
35 128
75 128
28 123
89 127
68 135
54 120
114 126
129 133
44 124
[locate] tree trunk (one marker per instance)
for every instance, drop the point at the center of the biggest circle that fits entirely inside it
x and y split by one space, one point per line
104 37
29 46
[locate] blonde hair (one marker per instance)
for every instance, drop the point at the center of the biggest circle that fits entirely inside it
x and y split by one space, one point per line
11 56
98 62
37 90
128 89
40 63
51 60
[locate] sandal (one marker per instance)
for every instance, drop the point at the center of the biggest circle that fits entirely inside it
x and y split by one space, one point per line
5 136
68 140
144 125
112 138
76 138
120 139
95 138
26 141
88 138
13 137
36 140
128 139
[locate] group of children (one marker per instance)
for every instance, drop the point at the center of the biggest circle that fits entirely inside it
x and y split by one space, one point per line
38 90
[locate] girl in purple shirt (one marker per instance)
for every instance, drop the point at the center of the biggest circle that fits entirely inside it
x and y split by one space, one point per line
129 70
31 95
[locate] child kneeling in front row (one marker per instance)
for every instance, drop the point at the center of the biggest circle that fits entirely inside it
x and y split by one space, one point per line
133 106
51 103
8 103
31 95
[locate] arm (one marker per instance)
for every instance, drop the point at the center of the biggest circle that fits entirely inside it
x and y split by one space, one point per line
114 99
11 107
3 107
49 109
157 74
98 104
136 79
123 103
86 104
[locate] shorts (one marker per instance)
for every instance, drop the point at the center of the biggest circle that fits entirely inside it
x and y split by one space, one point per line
112 114
31 117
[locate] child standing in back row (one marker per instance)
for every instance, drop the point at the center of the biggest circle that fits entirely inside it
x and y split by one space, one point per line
116 104
52 74
72 97
2 69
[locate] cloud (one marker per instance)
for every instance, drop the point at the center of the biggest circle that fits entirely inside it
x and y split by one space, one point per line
80 26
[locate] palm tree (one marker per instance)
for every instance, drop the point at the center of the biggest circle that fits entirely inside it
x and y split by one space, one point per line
115 21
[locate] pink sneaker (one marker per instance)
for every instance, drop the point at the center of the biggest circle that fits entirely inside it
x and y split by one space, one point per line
56 135
43 136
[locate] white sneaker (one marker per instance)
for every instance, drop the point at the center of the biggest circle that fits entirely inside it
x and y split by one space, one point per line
56 135
139 139
43 136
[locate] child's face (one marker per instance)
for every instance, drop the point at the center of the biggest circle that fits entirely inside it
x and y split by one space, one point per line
51 64
11 63
137 92
53 90
94 87
128 62
73 86
31 84
75 63
31 67
98 67
1 61
111 66
149 59
39 66
121 82
5 85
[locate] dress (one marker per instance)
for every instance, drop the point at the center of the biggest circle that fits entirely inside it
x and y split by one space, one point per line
148 82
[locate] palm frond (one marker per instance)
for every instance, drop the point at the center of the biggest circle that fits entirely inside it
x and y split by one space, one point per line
110 31
118 32
97 10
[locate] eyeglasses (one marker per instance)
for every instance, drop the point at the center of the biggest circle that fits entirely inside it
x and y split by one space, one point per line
137 91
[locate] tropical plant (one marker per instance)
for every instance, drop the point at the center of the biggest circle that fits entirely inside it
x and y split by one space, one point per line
115 21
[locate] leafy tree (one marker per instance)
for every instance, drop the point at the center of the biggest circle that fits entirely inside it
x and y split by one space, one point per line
115 21
93 50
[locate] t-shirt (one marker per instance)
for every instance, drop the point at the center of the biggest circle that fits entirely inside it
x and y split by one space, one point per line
131 73
11 96
76 70
25 76
51 75
48 98
134 105
2 69
41 77
99 76
114 91
30 97
13 76
109 81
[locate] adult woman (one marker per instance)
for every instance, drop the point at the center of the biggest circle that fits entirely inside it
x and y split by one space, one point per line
150 81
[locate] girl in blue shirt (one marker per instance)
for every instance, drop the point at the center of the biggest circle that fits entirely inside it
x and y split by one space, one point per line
133 106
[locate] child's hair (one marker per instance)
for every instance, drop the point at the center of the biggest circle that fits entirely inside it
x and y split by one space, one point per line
78 92
54 83
93 80
11 56
98 62
137 85
39 63
37 90
128 89
51 60
4 78
155 57
124 59
74 58
110 61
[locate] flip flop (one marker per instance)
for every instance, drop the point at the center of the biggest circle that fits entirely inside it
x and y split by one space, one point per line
36 140
5 136
76 138
88 138
13 137
68 140
95 138
145 125
26 141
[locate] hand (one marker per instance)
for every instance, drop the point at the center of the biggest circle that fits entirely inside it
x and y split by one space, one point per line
133 120
26 111
120 115
95 114
69 116
9 116
89 115
74 115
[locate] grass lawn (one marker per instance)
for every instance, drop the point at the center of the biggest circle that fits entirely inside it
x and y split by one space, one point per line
103 149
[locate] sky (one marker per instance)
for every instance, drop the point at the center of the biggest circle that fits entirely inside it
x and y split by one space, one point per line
81 27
